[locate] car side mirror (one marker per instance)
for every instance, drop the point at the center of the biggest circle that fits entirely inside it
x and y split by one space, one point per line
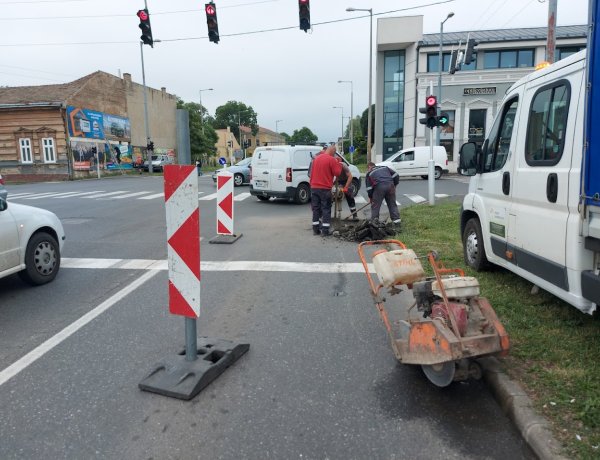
3 204
467 165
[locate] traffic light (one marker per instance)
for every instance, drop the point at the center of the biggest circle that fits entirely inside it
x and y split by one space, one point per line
211 21
469 51
150 146
430 111
443 119
145 26
304 12
453 59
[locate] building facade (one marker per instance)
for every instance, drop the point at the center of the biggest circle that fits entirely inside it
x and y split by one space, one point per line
407 69
78 128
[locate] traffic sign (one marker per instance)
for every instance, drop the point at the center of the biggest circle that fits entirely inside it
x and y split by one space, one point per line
222 161
351 149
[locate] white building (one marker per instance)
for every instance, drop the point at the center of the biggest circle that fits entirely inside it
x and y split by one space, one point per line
407 64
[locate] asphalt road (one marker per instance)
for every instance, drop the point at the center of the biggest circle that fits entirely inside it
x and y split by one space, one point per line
319 381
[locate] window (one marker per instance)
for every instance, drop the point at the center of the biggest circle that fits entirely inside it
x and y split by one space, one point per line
433 62
393 102
507 59
497 147
25 148
547 125
406 156
566 51
48 149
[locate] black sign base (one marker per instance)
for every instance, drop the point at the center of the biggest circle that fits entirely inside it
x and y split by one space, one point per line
225 239
178 378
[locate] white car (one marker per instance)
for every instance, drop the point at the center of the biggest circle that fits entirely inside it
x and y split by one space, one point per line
31 240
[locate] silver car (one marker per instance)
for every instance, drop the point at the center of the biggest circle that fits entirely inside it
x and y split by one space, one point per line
3 191
240 171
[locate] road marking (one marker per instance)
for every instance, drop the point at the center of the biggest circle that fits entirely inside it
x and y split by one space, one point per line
130 195
415 198
360 199
19 195
441 195
212 196
217 266
35 195
151 197
41 350
78 194
241 196
52 195
104 195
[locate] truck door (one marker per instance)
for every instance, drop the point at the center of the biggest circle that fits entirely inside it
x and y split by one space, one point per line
261 170
539 211
494 184
279 162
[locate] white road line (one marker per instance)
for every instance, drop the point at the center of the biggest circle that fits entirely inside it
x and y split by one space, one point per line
29 197
102 195
19 195
216 266
241 196
53 195
415 198
212 196
78 194
41 350
130 195
151 197
441 195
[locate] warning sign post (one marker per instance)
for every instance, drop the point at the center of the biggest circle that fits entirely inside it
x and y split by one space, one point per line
225 233
186 373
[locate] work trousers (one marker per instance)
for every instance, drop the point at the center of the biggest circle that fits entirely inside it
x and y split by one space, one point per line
320 202
385 191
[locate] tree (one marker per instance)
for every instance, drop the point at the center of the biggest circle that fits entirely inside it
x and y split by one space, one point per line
203 138
364 122
233 114
303 136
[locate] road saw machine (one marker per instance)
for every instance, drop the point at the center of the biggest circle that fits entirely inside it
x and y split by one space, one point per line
445 325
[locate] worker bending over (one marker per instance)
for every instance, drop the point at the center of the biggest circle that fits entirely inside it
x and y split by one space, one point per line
381 183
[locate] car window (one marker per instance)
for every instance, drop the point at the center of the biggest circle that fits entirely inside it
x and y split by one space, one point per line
406 156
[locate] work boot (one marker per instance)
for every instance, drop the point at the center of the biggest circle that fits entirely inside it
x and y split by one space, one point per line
354 213
316 230
325 231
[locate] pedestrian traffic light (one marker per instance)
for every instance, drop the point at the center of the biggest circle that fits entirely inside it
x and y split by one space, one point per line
304 12
211 21
443 119
146 36
469 51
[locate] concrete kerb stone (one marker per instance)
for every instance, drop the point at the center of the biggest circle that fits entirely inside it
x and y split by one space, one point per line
534 429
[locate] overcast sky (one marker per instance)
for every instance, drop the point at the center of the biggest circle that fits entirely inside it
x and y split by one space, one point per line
284 75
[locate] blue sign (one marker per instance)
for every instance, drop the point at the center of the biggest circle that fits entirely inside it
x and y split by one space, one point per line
351 149
222 161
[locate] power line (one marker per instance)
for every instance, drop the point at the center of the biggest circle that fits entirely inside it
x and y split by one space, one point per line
352 18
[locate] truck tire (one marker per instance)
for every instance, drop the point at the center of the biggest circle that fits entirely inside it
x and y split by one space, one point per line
42 259
473 248
302 194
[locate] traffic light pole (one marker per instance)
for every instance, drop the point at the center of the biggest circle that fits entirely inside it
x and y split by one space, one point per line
431 165
148 154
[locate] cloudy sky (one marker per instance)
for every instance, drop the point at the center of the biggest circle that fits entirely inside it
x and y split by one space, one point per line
263 58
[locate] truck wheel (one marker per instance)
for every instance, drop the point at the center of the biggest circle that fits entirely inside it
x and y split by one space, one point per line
473 249
354 186
302 194
262 197
238 179
42 259
438 172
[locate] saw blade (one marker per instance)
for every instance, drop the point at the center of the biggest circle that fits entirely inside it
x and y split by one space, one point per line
441 374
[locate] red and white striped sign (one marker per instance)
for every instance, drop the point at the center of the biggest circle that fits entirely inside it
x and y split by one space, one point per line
225 203
183 238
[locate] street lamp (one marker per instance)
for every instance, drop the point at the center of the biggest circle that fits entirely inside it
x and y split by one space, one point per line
351 118
200 92
336 107
440 62
369 115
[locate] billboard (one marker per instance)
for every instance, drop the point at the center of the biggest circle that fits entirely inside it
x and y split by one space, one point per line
89 124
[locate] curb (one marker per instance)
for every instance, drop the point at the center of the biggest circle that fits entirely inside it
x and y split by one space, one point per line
534 429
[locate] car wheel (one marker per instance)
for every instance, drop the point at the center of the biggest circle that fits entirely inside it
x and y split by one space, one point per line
302 194
424 177
42 259
438 172
473 249
262 197
238 180
354 186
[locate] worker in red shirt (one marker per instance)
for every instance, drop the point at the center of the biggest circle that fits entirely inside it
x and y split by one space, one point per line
324 169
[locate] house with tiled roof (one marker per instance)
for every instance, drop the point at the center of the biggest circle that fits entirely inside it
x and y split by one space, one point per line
74 129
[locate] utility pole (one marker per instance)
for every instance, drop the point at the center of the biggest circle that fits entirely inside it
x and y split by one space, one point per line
148 154
551 40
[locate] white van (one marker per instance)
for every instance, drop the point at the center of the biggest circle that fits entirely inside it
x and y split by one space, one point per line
281 171
415 161
527 209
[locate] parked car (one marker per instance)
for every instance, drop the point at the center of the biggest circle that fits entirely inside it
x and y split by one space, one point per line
158 162
31 241
240 171
3 191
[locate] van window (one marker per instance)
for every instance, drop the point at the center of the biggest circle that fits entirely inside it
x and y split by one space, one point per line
406 156
547 124
302 158
497 146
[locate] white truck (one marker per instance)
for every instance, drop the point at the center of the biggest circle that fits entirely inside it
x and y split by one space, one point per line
533 204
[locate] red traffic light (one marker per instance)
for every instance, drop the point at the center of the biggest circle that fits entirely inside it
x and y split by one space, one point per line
431 101
210 10
142 15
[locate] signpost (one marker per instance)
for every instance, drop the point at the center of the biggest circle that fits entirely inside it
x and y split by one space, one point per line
225 233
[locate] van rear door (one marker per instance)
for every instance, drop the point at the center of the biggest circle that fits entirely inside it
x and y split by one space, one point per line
280 161
261 169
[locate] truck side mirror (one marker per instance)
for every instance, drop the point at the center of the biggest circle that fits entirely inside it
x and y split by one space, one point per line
467 165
